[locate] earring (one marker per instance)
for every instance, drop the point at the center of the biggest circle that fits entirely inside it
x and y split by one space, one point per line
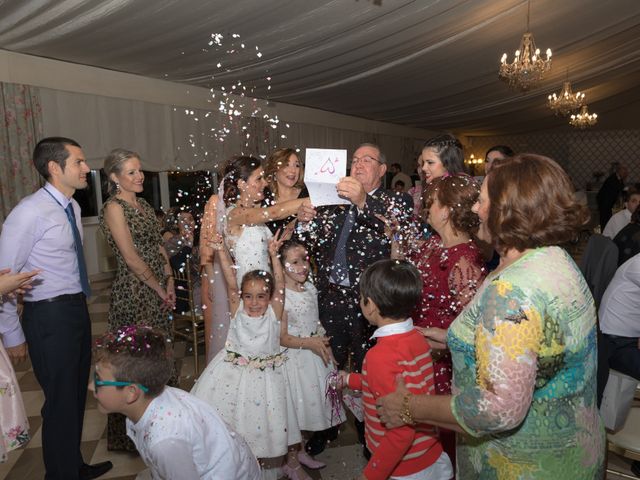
117 187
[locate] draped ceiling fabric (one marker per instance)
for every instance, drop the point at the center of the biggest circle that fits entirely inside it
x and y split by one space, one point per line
430 64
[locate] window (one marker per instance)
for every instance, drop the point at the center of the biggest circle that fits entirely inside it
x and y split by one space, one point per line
190 189
87 197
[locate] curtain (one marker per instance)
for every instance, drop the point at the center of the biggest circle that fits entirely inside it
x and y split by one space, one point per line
22 115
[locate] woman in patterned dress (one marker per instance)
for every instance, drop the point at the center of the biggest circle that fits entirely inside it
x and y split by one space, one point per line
524 349
452 269
142 292
14 425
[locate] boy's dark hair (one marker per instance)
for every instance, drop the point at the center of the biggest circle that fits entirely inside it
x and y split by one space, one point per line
260 276
138 354
286 246
51 149
395 286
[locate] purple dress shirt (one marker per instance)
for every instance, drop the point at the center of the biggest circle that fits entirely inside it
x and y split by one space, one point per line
37 236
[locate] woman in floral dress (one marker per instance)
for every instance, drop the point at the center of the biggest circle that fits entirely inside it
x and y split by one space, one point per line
524 349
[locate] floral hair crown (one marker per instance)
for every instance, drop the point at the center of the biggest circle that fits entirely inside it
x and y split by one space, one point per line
133 339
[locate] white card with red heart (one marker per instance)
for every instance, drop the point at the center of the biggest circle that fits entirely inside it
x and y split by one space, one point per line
323 168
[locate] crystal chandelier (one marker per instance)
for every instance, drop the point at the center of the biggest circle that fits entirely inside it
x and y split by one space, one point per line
584 119
567 101
528 67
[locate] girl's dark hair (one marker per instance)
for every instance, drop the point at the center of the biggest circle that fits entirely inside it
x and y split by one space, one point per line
503 149
259 275
449 149
238 168
286 246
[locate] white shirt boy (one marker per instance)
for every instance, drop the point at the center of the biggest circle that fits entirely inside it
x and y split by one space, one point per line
180 436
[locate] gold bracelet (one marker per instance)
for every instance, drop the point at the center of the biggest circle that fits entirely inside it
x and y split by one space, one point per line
405 415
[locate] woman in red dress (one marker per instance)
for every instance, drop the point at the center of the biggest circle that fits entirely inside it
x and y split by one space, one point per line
452 268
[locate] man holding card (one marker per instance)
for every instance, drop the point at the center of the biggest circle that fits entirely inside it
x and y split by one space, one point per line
344 240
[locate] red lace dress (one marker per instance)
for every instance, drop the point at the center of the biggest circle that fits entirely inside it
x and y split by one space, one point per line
451 277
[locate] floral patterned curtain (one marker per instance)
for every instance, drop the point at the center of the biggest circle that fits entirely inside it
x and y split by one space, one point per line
22 120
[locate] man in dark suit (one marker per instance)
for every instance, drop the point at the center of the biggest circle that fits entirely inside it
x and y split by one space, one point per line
344 240
610 192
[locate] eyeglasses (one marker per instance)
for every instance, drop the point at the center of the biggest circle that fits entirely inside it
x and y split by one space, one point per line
365 160
109 383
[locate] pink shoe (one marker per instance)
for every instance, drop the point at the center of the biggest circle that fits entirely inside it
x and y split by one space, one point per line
308 461
296 473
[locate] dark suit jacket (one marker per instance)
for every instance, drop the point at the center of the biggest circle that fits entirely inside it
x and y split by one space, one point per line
367 241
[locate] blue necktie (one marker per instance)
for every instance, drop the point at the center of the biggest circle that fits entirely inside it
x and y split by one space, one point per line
82 266
340 271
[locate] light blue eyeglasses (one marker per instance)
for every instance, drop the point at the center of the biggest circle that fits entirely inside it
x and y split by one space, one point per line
110 383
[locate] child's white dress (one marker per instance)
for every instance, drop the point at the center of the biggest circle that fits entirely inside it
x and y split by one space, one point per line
305 370
250 249
247 385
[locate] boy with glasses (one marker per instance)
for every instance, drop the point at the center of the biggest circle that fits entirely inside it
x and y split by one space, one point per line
177 435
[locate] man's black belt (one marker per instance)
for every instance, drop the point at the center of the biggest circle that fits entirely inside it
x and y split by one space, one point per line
60 298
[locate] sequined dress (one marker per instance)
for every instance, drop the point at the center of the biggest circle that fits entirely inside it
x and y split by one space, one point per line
451 277
524 362
248 387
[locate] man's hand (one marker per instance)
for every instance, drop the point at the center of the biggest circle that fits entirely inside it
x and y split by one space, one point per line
17 354
352 190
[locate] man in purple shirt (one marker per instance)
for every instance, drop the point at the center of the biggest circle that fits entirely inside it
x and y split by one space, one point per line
43 232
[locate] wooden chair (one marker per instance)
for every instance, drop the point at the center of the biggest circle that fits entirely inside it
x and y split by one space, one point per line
188 320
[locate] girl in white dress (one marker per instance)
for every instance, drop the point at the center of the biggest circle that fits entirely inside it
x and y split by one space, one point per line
240 217
246 382
310 358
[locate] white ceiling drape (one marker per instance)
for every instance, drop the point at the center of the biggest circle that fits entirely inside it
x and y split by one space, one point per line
425 63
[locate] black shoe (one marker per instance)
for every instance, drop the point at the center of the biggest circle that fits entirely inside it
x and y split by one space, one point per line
87 472
366 453
360 430
635 468
318 441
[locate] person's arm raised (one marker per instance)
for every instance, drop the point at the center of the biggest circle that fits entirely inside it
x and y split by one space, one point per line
256 215
228 270
277 300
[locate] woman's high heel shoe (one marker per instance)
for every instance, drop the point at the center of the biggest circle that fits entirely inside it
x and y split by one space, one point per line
308 461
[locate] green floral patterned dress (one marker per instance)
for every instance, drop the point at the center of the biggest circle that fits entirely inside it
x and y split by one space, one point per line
524 361
132 301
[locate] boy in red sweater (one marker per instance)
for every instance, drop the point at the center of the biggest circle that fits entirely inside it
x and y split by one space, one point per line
389 291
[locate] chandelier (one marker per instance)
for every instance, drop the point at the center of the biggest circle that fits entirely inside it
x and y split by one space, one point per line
584 119
567 101
528 67
472 160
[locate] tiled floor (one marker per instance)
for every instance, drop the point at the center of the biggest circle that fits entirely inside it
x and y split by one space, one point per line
344 456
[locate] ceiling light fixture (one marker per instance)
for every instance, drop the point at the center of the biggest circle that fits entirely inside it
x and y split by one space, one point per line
528 67
584 119
567 101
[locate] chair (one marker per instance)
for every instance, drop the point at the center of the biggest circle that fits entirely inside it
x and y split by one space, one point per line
626 441
188 322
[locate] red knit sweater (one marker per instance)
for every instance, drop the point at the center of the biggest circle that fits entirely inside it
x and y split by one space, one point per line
408 449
